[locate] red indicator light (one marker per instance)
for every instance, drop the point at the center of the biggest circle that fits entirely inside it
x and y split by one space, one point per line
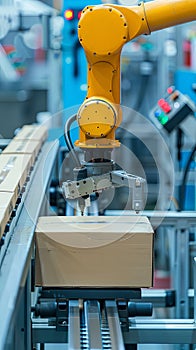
161 102
79 14
167 109
69 15
164 105
170 90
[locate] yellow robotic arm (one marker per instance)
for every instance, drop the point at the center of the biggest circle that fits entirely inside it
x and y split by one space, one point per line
102 31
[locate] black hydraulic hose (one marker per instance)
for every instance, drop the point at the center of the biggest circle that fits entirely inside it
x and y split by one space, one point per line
184 179
179 143
67 132
68 140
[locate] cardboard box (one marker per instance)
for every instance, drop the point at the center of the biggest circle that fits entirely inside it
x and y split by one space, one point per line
6 207
32 132
94 252
23 147
13 172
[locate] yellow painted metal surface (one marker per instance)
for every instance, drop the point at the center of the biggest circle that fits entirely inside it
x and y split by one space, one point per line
98 22
166 13
98 119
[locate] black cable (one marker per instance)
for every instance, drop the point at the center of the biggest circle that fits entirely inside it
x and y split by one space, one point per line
184 179
179 143
67 132
68 140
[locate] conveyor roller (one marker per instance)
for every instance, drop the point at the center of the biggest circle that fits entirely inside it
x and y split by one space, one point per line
94 326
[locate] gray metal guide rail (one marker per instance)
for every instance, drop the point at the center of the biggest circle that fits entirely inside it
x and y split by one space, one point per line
94 329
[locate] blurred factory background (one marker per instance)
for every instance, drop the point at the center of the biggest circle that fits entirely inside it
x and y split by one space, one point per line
43 71
43 80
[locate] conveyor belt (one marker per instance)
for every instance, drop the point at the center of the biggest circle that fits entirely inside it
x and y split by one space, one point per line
93 327
17 256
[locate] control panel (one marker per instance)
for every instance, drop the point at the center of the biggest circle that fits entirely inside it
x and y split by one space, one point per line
172 109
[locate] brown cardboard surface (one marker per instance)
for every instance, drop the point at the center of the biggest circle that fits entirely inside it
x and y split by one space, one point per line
23 147
32 132
13 172
94 252
6 207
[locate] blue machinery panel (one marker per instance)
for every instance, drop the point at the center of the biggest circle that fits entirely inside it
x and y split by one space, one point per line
74 67
184 79
74 61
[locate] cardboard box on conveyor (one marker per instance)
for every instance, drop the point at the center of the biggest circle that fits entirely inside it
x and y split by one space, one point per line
34 132
6 207
14 169
23 147
94 252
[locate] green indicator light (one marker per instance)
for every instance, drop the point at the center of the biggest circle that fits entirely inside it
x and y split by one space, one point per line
164 120
161 116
